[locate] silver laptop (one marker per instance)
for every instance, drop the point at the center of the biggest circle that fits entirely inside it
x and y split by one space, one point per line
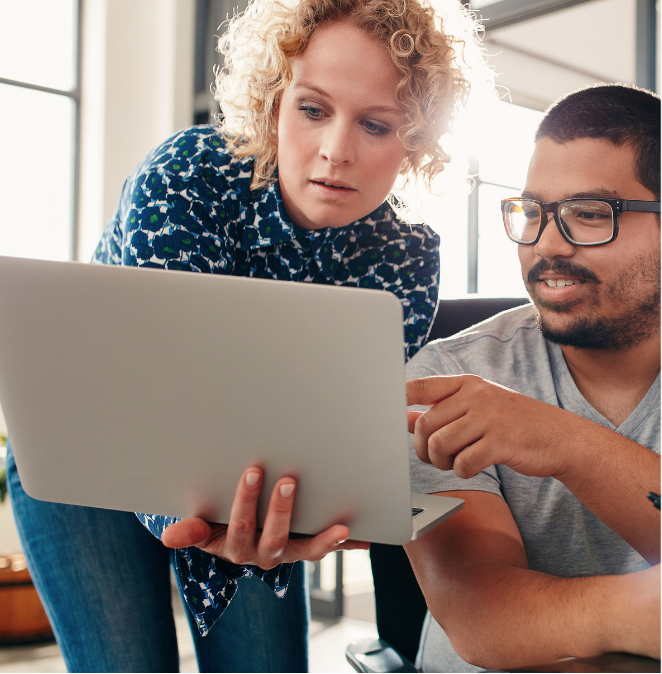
152 391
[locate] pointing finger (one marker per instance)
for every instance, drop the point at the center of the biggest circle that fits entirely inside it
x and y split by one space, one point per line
430 390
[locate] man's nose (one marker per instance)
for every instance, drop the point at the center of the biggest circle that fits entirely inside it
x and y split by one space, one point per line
338 144
552 244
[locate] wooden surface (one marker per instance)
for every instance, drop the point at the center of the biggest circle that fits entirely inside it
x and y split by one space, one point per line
22 616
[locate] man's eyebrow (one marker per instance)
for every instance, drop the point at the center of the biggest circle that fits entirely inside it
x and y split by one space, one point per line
597 193
324 94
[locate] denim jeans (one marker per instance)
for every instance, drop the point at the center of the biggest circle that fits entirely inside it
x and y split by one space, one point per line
104 581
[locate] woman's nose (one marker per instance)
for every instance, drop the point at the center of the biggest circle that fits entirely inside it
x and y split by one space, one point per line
552 244
338 144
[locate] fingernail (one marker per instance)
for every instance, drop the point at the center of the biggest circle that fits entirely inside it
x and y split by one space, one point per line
252 478
340 542
286 490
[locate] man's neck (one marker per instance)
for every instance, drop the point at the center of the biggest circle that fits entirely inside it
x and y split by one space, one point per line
615 381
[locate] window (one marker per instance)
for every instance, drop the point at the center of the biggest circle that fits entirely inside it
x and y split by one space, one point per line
210 17
39 99
540 50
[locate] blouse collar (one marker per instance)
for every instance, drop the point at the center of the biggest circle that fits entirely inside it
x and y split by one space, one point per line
266 223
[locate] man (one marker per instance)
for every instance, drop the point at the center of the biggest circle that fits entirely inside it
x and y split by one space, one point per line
555 444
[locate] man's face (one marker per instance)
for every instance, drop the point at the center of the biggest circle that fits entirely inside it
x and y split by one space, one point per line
603 297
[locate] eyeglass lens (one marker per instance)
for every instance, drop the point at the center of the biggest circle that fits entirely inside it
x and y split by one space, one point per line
583 221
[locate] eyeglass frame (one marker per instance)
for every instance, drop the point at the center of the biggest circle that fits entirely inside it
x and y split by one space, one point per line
618 206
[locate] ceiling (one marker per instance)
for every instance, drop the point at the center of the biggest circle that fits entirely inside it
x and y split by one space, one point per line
540 59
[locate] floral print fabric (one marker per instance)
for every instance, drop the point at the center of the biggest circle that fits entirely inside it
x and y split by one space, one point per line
188 206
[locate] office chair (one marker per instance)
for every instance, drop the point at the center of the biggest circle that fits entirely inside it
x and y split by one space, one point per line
400 613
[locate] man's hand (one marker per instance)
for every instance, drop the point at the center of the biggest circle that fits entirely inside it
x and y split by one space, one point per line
240 542
473 423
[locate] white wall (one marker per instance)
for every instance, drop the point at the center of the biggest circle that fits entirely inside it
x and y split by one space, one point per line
137 89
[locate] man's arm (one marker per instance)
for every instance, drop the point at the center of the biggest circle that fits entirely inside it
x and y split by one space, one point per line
498 614
473 423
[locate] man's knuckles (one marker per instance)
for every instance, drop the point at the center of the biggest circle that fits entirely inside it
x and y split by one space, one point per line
469 463
424 426
438 452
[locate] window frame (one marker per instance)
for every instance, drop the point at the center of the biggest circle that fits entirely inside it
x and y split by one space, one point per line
75 95
509 12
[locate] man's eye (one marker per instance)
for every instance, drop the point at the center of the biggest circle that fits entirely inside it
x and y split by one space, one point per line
593 216
374 128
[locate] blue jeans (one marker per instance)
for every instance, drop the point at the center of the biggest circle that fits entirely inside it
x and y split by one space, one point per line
104 581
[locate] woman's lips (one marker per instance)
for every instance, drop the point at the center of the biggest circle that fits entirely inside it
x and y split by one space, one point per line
333 189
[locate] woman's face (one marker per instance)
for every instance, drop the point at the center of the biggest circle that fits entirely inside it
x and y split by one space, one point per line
338 149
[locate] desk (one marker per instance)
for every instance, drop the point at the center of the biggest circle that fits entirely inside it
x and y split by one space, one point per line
609 662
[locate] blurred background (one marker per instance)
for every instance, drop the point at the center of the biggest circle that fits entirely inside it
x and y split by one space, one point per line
88 87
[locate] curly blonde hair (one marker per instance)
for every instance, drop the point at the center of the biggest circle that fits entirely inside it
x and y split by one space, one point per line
432 50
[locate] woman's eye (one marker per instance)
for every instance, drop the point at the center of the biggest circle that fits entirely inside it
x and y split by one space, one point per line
375 129
311 112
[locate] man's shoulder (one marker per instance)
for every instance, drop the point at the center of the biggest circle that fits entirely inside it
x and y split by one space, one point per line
516 324
504 348
505 330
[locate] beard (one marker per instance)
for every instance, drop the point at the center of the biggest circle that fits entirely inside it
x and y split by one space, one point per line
637 291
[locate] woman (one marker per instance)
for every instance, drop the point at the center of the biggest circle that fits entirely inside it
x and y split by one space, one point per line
325 103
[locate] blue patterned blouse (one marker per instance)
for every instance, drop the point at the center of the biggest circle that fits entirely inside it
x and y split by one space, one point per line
189 206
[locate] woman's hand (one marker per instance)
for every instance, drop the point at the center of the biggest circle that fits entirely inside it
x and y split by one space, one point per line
240 542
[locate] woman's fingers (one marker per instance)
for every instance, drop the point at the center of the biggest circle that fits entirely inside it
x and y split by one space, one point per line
334 538
276 530
187 532
239 545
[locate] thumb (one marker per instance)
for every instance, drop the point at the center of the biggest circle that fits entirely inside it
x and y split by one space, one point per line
411 419
192 531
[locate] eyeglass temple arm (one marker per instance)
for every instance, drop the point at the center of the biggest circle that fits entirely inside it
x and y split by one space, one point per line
642 206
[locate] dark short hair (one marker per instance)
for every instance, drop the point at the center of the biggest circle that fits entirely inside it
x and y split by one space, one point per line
618 113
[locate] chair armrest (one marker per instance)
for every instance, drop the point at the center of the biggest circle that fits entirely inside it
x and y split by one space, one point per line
377 655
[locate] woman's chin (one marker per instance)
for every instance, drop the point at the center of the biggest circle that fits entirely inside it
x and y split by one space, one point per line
328 218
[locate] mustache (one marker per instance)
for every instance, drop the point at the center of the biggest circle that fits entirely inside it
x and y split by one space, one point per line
561 267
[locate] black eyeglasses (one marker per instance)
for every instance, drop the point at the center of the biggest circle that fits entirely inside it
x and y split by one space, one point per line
582 222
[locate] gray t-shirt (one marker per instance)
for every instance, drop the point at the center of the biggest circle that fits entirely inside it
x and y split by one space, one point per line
561 537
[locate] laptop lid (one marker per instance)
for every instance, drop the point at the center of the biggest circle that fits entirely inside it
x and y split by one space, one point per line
150 390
